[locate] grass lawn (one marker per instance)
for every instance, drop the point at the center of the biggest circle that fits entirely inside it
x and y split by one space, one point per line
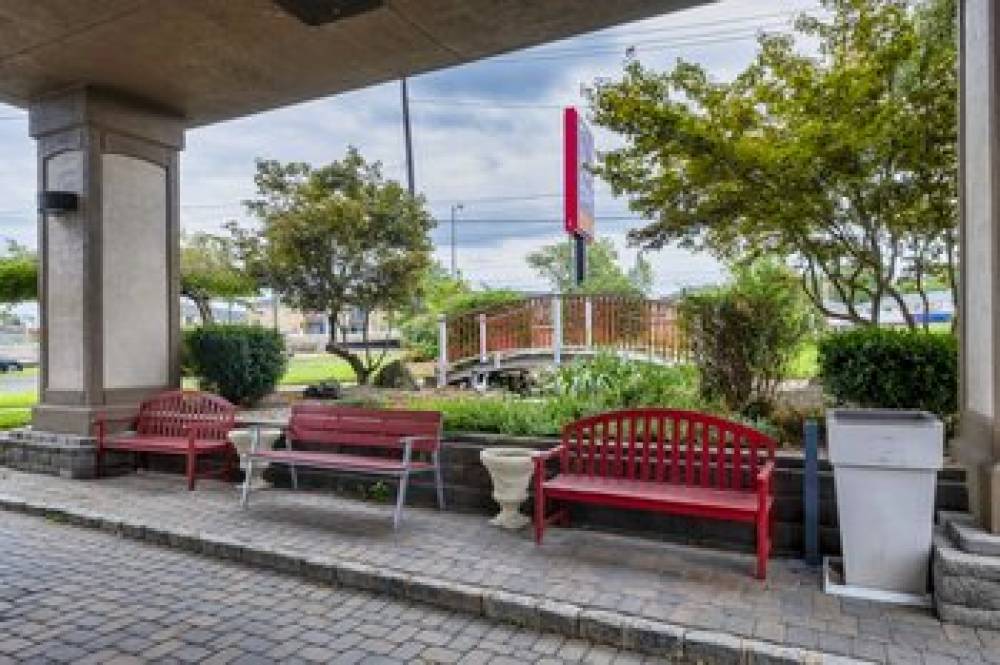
20 400
15 408
312 368
805 365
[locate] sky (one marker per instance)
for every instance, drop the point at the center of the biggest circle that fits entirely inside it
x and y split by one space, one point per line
487 135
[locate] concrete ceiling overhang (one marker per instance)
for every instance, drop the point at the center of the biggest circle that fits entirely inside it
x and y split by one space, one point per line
211 60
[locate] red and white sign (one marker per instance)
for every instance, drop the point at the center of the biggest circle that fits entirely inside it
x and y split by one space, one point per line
579 181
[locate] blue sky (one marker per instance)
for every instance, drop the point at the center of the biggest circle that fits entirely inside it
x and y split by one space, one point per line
486 134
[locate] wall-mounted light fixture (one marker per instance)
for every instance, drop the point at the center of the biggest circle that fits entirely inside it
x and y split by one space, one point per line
58 203
321 12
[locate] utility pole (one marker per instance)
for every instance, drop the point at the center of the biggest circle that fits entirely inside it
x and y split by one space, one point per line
455 207
411 184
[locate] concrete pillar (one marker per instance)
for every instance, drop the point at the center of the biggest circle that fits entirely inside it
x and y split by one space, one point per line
978 444
110 270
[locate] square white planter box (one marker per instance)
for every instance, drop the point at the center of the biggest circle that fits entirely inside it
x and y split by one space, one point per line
885 466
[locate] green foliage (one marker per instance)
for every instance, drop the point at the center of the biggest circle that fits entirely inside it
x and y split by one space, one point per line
877 367
305 370
745 335
14 418
241 363
568 393
844 160
18 275
443 294
210 268
555 264
336 237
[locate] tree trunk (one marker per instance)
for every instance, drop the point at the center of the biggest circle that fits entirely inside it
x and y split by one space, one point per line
204 311
362 372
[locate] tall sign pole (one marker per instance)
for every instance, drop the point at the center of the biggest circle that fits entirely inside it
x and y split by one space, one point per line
578 188
410 180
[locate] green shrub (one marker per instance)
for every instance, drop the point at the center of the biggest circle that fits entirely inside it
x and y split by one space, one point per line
880 368
241 363
744 335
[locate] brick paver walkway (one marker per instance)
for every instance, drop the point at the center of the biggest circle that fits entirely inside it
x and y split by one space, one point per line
69 595
690 587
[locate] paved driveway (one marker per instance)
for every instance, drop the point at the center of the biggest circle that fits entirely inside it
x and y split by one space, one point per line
72 595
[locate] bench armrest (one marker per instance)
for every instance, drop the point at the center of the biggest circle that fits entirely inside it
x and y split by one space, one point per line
764 477
542 456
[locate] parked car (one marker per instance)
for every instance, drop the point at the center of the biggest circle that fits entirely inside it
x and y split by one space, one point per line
10 365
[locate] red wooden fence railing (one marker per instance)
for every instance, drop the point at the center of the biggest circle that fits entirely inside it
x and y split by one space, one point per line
607 322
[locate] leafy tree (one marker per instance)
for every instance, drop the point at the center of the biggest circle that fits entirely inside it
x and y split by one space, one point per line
744 335
442 293
211 268
555 263
335 237
18 274
844 160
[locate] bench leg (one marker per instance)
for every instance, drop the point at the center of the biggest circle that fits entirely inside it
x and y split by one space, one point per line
763 543
400 500
247 478
539 514
295 476
192 465
99 462
438 480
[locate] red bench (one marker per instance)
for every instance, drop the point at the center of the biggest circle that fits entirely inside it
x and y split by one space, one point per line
393 443
190 424
661 460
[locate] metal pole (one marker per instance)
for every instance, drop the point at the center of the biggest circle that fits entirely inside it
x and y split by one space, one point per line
408 132
482 338
810 493
557 329
581 259
442 351
454 258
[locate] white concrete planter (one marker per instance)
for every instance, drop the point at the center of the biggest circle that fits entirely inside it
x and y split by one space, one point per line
511 470
885 468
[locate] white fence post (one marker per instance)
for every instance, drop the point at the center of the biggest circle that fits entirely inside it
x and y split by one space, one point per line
442 351
482 338
588 320
557 329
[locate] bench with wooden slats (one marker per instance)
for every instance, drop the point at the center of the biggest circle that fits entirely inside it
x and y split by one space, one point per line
385 442
191 424
662 460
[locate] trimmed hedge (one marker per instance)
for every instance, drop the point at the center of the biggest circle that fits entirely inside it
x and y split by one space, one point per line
242 363
882 368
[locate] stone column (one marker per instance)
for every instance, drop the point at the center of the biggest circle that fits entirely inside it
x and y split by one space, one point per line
978 445
109 299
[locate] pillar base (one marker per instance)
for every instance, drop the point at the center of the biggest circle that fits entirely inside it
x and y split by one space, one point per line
56 454
76 421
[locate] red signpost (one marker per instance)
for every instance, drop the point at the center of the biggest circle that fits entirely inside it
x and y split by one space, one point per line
578 185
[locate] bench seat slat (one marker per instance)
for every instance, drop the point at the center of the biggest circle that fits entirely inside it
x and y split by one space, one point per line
343 461
654 496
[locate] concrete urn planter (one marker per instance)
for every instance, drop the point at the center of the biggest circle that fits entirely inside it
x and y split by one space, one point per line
511 470
245 440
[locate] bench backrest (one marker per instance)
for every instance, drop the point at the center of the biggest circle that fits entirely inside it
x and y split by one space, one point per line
355 426
666 445
171 413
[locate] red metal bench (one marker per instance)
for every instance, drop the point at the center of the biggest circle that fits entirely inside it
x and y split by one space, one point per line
393 443
190 424
662 460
